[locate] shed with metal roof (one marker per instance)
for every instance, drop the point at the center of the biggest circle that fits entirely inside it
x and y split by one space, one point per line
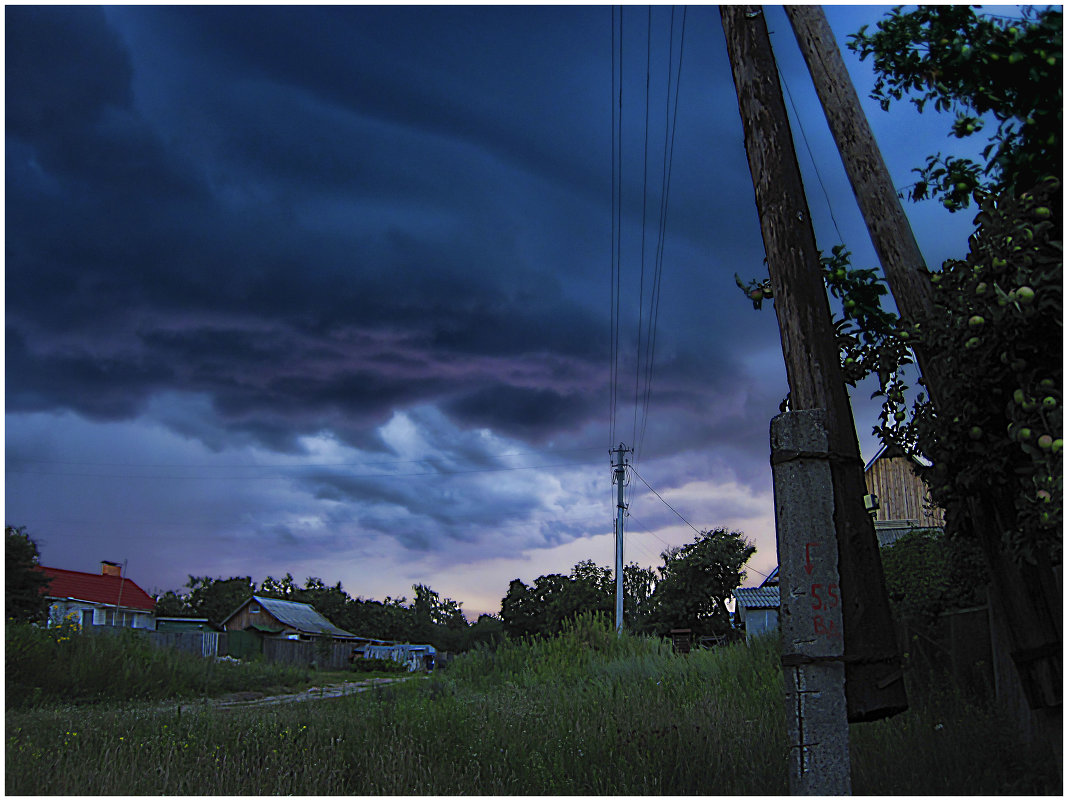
286 619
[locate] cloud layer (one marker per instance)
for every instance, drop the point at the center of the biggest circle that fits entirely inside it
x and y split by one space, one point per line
328 290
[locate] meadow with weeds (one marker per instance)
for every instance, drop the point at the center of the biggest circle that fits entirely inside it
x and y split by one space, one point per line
63 665
583 713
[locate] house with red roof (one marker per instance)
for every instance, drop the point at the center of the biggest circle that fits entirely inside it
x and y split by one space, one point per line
106 598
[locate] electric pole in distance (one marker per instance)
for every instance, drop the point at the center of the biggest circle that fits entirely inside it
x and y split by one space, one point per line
619 472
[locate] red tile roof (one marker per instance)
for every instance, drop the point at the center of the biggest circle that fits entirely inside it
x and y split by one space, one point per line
96 588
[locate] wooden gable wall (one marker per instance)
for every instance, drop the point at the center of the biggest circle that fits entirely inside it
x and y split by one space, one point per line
902 494
246 617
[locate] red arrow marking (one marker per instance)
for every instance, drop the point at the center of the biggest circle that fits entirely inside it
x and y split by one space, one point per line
808 558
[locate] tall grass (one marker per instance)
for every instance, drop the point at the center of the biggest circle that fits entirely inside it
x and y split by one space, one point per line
585 713
61 665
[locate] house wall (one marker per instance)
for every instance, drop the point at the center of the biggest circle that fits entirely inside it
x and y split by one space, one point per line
261 617
101 615
902 494
758 621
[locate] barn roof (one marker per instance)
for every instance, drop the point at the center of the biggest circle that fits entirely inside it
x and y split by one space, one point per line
757 597
894 451
96 588
302 617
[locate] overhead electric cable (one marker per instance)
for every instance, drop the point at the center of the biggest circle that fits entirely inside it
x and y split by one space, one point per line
617 214
668 505
669 152
811 157
645 195
612 289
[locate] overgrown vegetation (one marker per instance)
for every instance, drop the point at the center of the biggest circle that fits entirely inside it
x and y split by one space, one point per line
62 665
582 713
928 574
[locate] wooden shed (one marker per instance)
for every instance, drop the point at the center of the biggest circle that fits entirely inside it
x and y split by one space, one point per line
284 619
902 499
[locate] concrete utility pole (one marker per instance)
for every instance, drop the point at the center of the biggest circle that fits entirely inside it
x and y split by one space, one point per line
811 610
619 471
1028 595
874 681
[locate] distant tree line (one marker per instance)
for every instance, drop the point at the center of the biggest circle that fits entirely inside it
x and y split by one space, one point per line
688 591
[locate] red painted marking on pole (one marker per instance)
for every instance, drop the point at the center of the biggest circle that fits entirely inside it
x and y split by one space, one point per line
808 557
814 591
826 628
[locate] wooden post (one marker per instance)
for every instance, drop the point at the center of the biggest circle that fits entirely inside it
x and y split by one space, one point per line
1028 595
874 684
887 224
810 609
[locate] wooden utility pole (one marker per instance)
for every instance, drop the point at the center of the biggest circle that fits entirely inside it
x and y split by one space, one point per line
874 683
1027 595
887 224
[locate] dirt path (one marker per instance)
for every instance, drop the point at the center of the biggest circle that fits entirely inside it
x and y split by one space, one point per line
244 700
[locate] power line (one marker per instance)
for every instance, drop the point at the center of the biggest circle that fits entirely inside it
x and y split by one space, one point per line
812 158
668 505
616 102
665 190
645 194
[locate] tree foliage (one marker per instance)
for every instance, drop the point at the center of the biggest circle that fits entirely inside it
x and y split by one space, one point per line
689 590
928 573
695 582
980 67
24 584
542 608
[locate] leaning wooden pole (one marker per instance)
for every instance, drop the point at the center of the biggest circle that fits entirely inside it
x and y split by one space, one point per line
1027 597
874 683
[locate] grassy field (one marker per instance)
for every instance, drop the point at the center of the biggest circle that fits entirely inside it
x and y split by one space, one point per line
585 713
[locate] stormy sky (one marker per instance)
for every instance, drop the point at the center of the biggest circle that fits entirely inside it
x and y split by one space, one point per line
328 290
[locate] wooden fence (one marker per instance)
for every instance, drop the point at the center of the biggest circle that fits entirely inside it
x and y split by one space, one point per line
242 645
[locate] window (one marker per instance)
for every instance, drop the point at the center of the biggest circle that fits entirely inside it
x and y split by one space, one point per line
87 617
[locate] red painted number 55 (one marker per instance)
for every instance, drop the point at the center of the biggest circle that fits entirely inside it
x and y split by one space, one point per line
828 601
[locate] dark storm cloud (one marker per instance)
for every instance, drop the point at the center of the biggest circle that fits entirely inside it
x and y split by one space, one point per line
181 286
424 78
